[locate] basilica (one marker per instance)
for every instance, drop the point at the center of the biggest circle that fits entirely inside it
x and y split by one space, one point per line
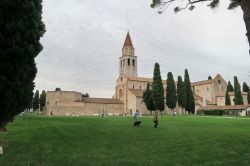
208 94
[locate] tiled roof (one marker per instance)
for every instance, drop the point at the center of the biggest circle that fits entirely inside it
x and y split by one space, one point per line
101 100
144 79
137 92
227 107
128 41
201 82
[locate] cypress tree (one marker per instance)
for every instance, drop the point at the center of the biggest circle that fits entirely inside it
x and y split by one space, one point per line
180 92
30 104
171 97
238 97
245 87
209 77
147 98
42 100
157 89
189 97
192 103
36 101
236 83
227 99
237 92
230 87
184 95
21 29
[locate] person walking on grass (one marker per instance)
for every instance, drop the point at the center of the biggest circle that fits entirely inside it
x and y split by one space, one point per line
155 119
137 121
136 116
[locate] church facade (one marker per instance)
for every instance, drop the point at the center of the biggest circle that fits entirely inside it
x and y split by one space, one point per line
129 90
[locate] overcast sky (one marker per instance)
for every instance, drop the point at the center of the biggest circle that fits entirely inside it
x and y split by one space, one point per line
84 39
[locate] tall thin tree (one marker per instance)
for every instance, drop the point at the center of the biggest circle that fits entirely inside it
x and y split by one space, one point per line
248 97
237 92
180 92
36 101
171 97
189 97
227 99
157 89
42 100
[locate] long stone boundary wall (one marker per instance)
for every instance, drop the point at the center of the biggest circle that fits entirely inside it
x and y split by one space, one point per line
67 103
86 109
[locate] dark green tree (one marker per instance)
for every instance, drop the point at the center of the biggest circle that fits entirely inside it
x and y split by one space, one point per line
30 104
85 95
245 87
189 97
36 101
190 4
58 89
21 28
248 97
42 100
147 98
157 89
209 78
230 87
227 99
237 92
171 97
180 92
192 103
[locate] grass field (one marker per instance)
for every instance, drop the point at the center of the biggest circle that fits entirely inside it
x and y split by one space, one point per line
181 140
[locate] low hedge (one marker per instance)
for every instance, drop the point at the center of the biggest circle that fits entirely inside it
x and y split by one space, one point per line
217 112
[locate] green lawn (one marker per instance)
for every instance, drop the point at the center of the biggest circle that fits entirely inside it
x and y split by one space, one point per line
181 140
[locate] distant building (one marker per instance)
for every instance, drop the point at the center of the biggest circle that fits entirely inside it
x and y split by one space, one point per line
129 91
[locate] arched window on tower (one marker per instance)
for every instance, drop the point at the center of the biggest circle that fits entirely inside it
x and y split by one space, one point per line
123 62
133 86
133 62
128 61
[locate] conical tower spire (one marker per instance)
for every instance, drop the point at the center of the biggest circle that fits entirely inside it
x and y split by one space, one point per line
128 61
128 41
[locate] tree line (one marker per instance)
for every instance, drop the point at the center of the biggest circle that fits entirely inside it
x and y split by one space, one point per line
182 95
236 89
38 101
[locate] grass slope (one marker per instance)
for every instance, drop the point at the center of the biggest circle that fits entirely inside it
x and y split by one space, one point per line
181 140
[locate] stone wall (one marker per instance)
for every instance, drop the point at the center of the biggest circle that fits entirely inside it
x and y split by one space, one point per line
221 101
63 103
205 90
76 109
140 105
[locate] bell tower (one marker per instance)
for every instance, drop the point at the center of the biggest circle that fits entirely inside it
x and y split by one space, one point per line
128 61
